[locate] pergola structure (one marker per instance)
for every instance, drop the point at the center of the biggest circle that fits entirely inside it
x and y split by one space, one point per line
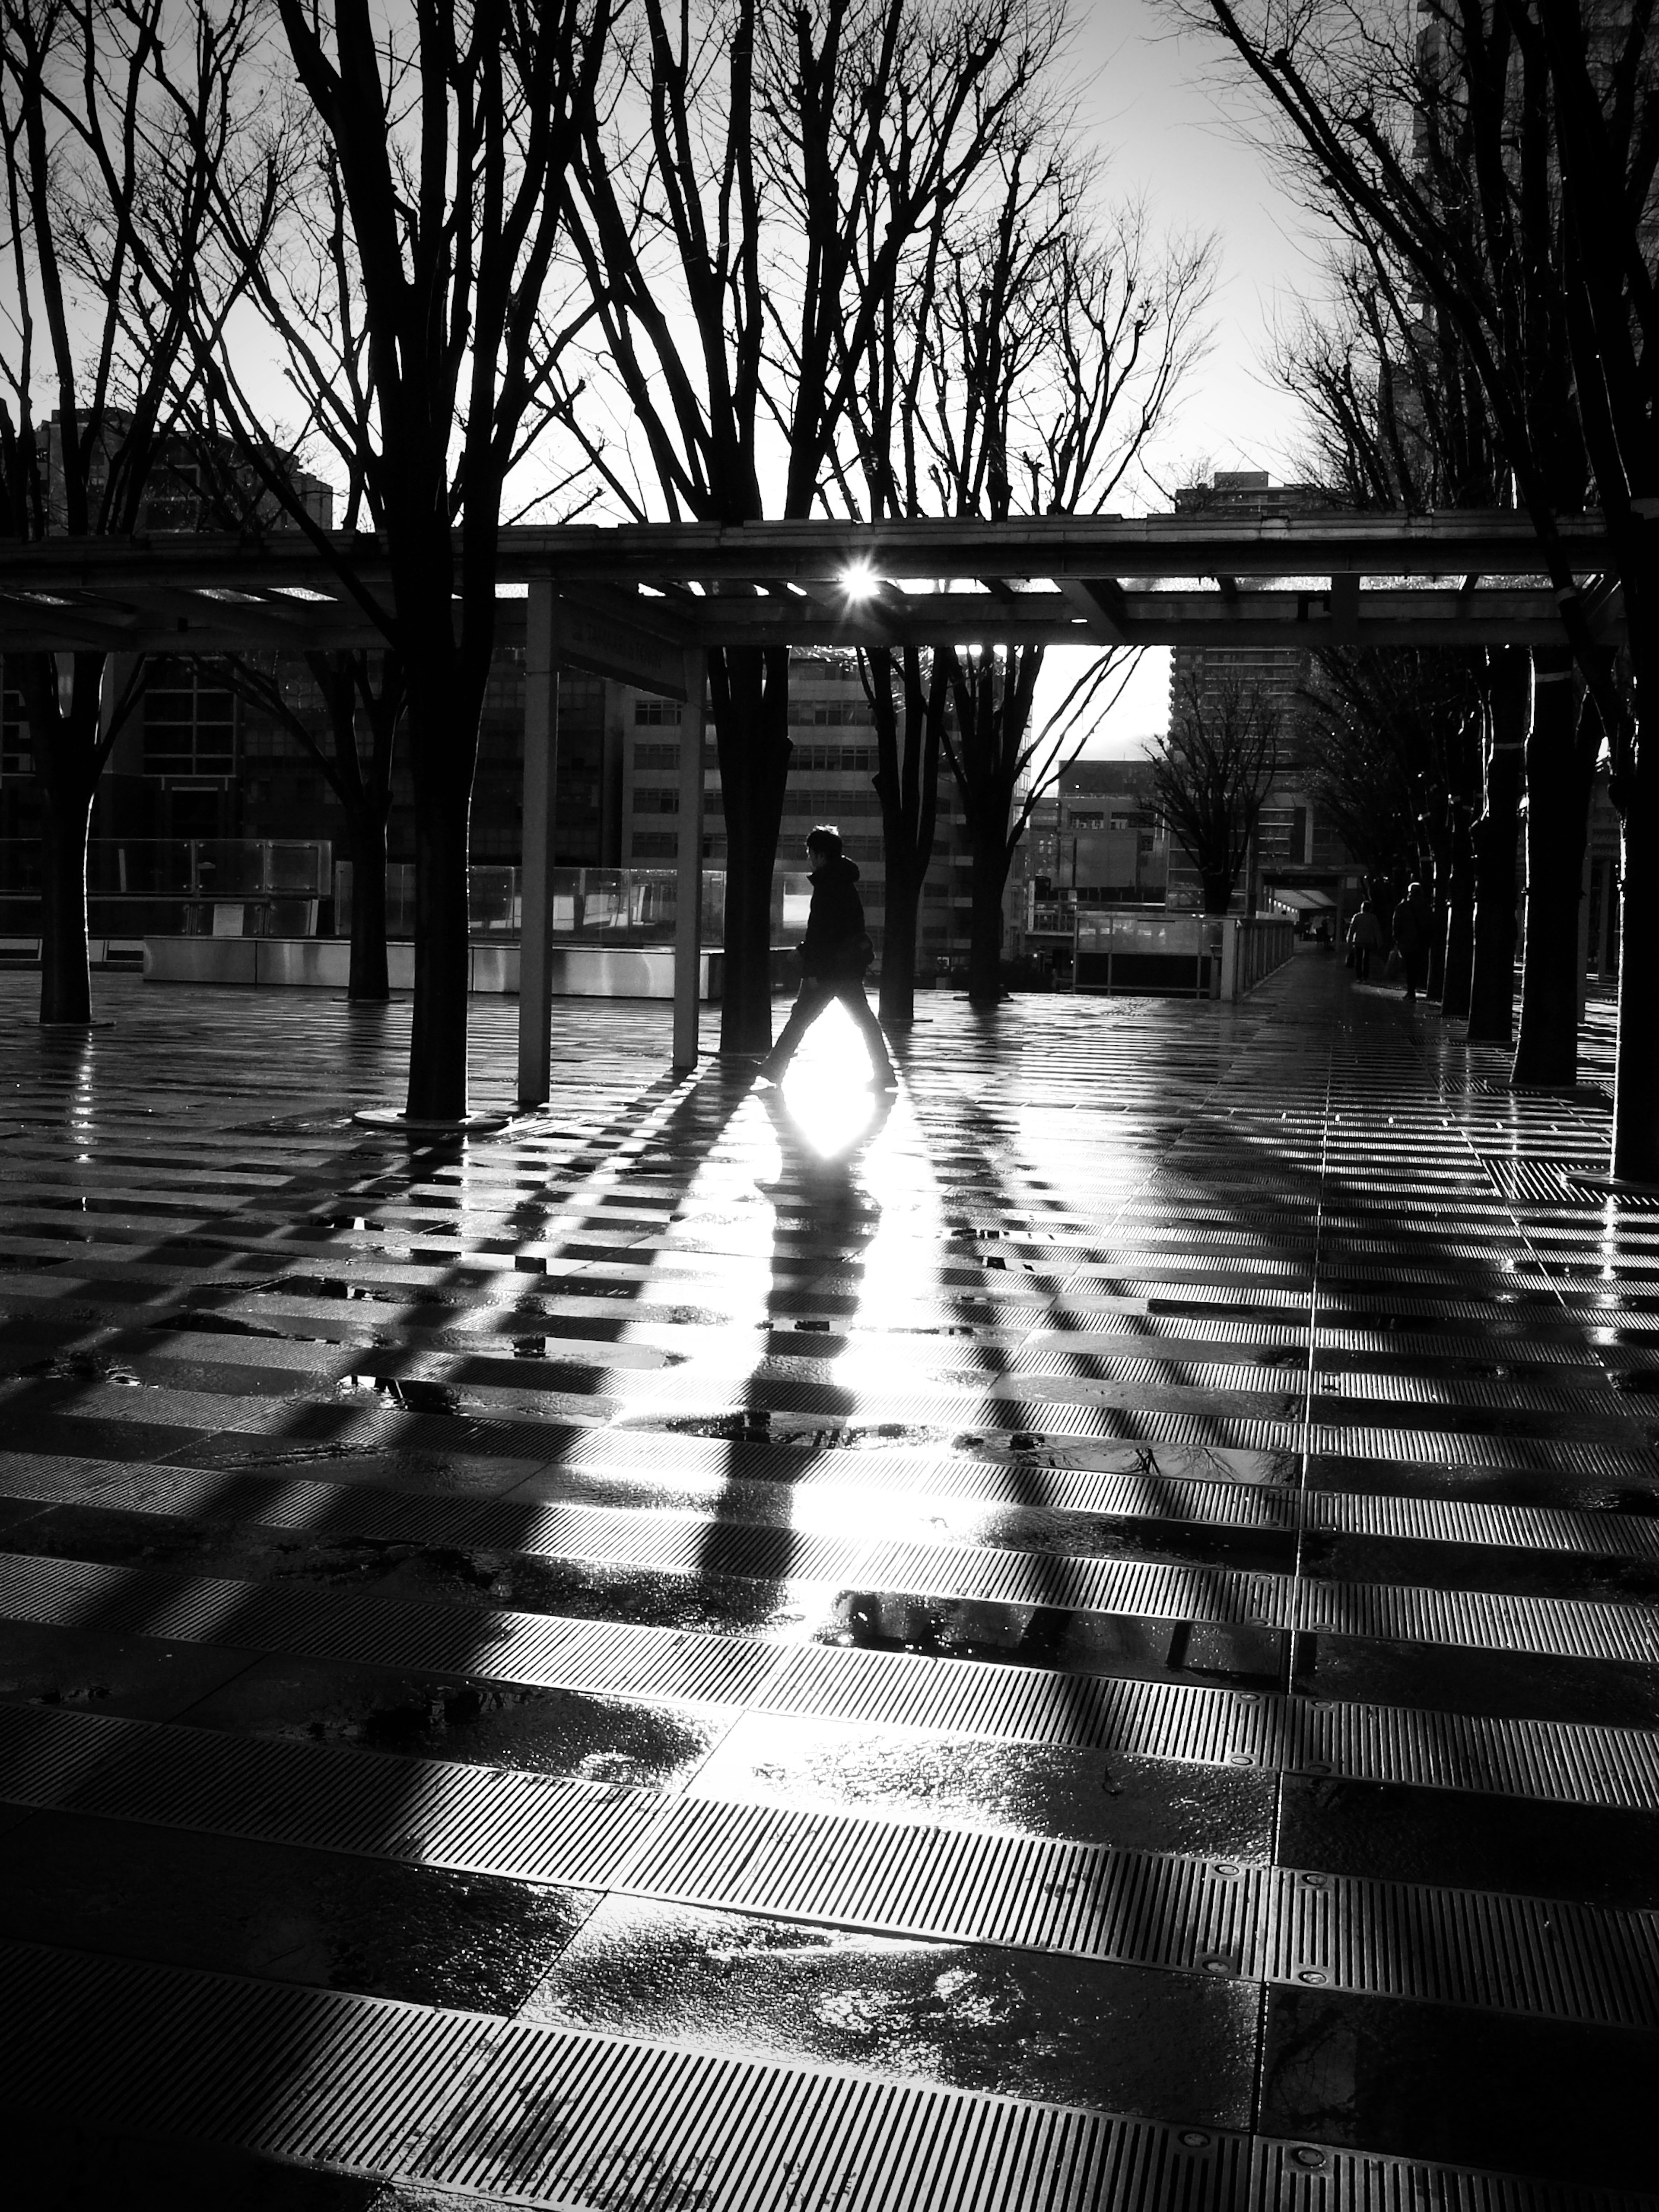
647 602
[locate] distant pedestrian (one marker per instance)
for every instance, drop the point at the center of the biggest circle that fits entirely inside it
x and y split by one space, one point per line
1365 936
1412 926
834 955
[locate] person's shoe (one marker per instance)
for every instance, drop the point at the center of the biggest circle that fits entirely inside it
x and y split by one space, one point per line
888 1082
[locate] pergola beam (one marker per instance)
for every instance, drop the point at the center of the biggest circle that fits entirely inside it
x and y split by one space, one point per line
1051 579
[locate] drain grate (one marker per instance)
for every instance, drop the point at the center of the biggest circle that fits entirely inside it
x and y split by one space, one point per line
719 1535
1309 2177
1531 1180
1023 1891
893 1878
1525 1954
550 2116
1560 1762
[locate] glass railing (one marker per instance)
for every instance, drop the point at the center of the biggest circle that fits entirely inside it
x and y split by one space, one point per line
601 906
182 867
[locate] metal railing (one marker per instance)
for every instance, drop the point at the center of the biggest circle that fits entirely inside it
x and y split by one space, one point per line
1194 956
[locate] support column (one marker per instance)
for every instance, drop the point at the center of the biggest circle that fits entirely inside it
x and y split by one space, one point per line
688 887
1584 933
541 773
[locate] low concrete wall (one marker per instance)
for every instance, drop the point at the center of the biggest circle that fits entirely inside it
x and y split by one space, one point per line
580 971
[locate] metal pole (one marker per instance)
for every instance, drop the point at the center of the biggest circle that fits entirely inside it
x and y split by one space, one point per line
541 775
687 889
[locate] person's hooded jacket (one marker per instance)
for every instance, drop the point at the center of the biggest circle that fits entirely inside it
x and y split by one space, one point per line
835 944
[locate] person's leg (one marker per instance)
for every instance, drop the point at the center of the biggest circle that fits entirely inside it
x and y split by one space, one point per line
811 1000
851 994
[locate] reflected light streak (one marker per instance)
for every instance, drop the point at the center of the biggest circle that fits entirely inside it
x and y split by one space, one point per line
827 1089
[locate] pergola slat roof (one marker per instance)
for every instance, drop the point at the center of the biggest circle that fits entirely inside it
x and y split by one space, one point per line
1317 579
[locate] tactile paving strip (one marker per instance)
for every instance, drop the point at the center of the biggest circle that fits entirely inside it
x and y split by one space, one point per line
549 2116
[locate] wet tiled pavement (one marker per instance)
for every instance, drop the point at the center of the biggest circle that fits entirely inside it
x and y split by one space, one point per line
1084 1635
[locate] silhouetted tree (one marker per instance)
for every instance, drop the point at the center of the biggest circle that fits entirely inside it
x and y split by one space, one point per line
86 139
363 697
1052 352
1504 150
743 207
1211 772
407 288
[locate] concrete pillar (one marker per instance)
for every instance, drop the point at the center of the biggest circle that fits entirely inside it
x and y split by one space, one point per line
1582 970
688 888
541 771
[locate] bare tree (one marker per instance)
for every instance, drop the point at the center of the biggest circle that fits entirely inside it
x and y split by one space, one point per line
85 140
1396 737
1505 150
406 287
1399 420
885 473
1212 773
363 699
908 689
1051 355
719 206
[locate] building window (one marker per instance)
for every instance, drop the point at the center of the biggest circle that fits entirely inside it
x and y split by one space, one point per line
656 798
656 844
658 713
189 726
844 759
819 714
16 755
656 756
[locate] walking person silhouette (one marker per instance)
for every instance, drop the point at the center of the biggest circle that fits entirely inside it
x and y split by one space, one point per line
834 955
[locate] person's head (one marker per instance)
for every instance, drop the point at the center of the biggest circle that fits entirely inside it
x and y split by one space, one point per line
823 844
1414 892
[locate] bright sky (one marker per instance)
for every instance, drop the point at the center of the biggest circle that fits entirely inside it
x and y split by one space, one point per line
1147 101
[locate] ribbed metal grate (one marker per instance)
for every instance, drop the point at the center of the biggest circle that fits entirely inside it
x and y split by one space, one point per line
545 2115
1311 2177
1473 1948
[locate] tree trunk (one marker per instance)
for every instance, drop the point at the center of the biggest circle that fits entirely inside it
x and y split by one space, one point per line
1439 905
1217 893
897 994
750 698
68 763
1558 818
437 1042
1636 1081
990 875
367 980
65 975
909 746
1495 836
1458 961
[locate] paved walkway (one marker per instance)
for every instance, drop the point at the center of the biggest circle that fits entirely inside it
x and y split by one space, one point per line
1085 1638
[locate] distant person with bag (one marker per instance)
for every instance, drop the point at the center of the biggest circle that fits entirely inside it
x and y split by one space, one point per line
1365 936
833 954
1411 925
